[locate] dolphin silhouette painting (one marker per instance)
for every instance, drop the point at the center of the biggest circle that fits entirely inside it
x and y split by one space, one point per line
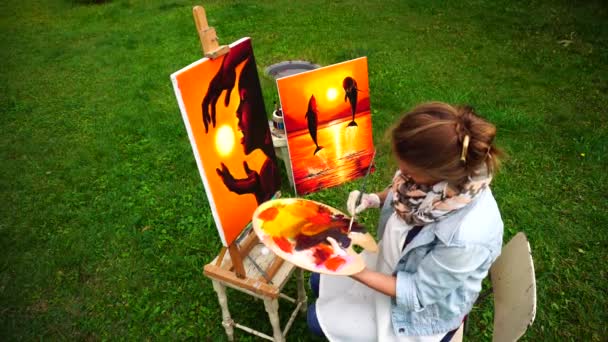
350 93
312 117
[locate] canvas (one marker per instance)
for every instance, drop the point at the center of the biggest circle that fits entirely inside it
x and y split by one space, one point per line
223 110
328 124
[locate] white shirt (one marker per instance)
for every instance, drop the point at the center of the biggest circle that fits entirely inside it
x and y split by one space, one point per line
350 311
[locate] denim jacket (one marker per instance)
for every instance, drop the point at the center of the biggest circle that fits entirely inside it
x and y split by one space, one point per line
440 271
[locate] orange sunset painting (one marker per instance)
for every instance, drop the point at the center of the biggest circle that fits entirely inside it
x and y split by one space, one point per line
328 124
223 110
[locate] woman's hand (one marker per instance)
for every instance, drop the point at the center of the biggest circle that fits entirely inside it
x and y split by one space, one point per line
367 201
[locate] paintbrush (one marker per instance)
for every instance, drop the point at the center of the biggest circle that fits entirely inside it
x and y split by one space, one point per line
369 169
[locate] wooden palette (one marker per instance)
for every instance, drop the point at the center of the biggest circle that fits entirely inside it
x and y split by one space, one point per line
312 235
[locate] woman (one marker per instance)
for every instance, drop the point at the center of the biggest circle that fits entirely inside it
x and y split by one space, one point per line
440 232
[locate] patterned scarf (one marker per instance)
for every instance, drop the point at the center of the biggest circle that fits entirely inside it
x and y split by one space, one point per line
420 204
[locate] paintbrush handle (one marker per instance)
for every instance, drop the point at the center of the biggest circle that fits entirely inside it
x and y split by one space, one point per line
369 170
350 225
358 200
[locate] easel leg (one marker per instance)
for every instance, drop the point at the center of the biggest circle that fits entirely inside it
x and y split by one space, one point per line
227 321
287 161
301 291
272 307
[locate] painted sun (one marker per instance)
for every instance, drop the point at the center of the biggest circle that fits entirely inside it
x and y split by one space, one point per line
332 94
224 140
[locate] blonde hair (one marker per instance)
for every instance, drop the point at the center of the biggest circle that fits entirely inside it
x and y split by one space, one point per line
431 137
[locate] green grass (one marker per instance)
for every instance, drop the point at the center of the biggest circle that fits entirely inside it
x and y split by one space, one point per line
104 225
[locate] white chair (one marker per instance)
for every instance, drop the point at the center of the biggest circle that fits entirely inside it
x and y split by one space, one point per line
514 289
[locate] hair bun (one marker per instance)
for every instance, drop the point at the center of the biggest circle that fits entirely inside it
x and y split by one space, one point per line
481 136
464 122
432 137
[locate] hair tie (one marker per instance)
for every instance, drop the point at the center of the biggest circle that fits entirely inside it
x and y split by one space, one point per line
465 148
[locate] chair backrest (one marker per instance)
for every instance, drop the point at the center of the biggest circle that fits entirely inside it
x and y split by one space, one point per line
514 287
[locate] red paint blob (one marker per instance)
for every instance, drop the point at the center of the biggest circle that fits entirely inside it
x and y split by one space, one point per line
283 244
321 253
335 262
320 218
269 214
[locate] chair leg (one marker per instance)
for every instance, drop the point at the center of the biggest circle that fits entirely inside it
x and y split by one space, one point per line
301 291
272 307
227 321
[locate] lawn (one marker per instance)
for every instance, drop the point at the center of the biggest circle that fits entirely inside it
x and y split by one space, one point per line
104 223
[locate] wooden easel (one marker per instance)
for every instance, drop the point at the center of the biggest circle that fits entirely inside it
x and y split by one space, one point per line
247 267
209 42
